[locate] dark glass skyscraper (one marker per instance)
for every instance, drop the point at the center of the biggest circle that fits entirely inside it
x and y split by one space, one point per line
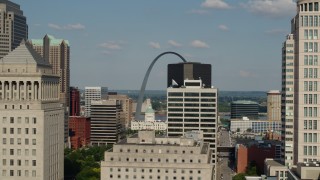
189 70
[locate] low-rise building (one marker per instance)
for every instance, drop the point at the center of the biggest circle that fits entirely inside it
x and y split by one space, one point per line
79 131
149 122
305 170
145 156
276 169
254 126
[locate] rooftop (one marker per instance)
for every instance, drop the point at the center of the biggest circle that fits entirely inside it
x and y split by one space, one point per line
244 102
53 41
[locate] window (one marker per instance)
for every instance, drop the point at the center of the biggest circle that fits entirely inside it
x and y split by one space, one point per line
34 163
19 130
305 85
315 150
26 162
34 142
26 152
11 151
11 120
305 124
4 162
4 130
27 130
34 131
305 37
4 141
315 137
305 73
11 141
27 120
34 152
34 174
11 131
26 141
34 120
315 125
310 124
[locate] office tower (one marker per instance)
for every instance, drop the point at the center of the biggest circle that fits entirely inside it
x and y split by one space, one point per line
193 107
241 109
274 105
13 27
179 72
126 113
57 52
302 58
287 105
94 94
74 102
31 118
105 122
149 157
79 130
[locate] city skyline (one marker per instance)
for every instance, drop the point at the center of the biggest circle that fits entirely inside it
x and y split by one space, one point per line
111 34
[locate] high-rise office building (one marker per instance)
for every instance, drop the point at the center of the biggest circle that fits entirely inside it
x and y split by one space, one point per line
300 56
241 109
106 127
13 27
287 98
193 107
94 94
31 118
74 101
126 113
57 52
274 105
179 72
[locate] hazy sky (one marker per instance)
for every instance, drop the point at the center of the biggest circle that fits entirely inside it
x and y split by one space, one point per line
114 41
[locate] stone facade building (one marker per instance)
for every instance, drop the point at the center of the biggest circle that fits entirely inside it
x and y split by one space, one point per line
145 156
31 118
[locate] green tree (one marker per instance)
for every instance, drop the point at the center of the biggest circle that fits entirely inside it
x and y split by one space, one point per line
240 176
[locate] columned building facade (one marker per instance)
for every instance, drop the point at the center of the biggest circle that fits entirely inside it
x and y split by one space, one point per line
31 118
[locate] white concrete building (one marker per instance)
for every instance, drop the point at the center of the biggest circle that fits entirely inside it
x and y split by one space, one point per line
93 94
148 157
149 122
31 118
255 126
303 62
193 107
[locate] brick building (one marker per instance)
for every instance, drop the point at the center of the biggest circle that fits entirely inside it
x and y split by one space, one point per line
74 101
79 131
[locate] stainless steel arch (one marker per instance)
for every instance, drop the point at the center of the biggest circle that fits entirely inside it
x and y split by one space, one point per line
145 80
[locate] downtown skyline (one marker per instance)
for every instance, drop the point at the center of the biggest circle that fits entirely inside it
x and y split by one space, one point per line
113 42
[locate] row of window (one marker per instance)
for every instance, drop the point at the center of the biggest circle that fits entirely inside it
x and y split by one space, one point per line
153 170
310 85
150 177
310 150
310 98
19 120
18 173
192 94
18 130
190 105
152 151
309 7
26 141
159 160
19 152
310 60
311 47
310 124
310 137
11 162
310 73
310 34
309 21
190 100
310 112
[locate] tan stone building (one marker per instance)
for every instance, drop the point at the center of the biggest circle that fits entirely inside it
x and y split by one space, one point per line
126 113
145 156
304 59
274 105
13 26
31 118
